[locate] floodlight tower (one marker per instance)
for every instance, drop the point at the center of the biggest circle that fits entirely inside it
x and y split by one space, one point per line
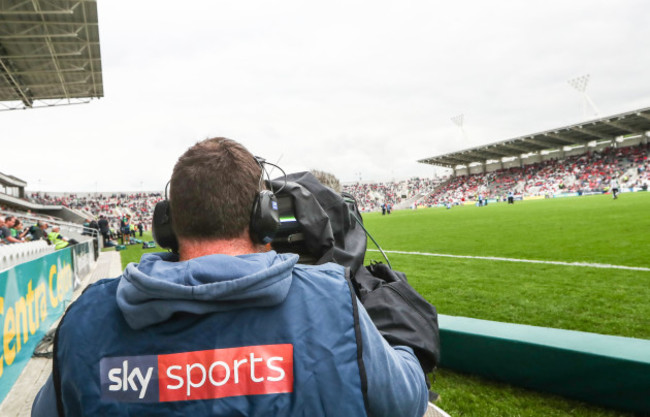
458 121
580 84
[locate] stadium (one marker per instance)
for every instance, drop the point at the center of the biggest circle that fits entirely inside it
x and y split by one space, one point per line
538 271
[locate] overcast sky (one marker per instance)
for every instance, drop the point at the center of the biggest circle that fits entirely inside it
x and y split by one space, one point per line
362 89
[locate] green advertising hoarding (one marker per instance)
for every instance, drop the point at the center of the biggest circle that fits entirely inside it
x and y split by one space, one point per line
33 295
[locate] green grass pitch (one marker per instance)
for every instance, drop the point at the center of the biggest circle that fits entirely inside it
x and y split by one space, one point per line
589 229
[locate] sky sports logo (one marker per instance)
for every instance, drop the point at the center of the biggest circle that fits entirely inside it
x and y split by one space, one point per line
200 375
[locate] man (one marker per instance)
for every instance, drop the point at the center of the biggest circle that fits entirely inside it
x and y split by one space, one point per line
86 225
125 228
38 231
225 327
93 224
613 184
7 235
104 229
4 230
58 240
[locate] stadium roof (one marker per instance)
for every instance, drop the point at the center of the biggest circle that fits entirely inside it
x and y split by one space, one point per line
49 53
606 128
11 181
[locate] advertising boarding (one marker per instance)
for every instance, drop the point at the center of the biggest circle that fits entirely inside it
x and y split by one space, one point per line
33 295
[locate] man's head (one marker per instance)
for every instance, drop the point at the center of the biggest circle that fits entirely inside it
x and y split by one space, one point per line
10 221
327 179
212 190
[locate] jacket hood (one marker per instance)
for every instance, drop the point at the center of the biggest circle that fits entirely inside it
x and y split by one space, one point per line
159 286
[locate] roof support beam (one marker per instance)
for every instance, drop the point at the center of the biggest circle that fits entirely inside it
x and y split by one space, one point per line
591 132
50 46
8 73
59 71
39 36
496 151
645 116
17 9
58 43
621 126
50 85
45 56
456 162
39 103
523 149
90 52
23 13
540 144
433 161
36 22
465 159
561 138
489 153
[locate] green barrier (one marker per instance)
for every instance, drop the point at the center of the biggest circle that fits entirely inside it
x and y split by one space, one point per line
606 370
33 295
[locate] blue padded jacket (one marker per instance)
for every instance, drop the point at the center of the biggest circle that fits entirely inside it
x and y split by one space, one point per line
251 335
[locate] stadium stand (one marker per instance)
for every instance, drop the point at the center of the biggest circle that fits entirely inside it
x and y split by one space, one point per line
401 194
618 130
114 206
571 159
587 173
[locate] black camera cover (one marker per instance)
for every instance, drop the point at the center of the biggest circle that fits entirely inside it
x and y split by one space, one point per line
323 226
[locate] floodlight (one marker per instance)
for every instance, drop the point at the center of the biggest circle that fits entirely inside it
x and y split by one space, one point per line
580 84
458 121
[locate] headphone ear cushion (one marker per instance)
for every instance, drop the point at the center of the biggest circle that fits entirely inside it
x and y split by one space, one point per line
161 227
265 217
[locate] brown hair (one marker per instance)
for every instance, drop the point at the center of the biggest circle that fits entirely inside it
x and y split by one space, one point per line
212 190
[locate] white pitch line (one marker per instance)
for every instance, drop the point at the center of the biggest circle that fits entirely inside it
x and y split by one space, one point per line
531 261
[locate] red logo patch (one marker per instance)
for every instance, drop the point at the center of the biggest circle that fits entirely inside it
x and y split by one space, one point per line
218 373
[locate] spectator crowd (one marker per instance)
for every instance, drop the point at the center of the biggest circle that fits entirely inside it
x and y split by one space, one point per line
110 215
372 196
138 207
589 172
585 173
12 231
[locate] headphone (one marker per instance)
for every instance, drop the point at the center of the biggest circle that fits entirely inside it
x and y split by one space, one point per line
264 222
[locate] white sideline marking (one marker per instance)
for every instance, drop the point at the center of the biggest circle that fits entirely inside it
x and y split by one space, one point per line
531 261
